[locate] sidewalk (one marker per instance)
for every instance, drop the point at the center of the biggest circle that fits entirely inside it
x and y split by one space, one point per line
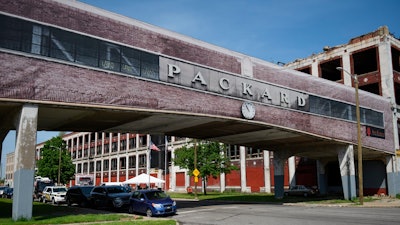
379 202
383 202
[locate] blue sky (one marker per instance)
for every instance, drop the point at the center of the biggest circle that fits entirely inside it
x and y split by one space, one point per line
272 30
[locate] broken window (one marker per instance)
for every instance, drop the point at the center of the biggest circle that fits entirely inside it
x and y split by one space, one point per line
396 59
328 70
397 92
372 88
365 61
305 70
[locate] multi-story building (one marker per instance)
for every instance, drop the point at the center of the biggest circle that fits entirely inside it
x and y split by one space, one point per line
373 59
9 169
101 157
116 157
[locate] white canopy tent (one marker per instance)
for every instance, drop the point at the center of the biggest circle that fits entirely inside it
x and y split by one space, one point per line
144 179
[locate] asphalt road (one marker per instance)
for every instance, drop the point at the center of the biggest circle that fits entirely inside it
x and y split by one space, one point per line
205 213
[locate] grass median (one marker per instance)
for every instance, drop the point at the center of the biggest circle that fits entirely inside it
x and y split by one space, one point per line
52 214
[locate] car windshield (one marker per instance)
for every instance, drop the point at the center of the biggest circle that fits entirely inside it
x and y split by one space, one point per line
118 189
60 189
153 195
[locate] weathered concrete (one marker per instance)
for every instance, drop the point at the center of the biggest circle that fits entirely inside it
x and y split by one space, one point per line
347 171
392 176
24 165
279 169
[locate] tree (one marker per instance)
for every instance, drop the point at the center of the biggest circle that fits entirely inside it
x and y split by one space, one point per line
211 159
54 156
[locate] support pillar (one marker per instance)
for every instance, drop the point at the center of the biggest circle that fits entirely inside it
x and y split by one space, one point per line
24 166
222 181
267 172
321 178
393 176
347 171
292 170
279 169
243 183
187 179
172 171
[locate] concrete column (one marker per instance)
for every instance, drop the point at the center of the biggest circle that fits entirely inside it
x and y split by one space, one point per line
243 182
187 180
126 166
392 175
279 168
347 171
267 172
172 172
347 79
108 155
24 166
314 69
118 166
321 178
386 68
102 161
222 181
137 156
292 170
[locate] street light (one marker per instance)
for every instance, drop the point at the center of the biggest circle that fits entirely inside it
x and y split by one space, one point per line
359 147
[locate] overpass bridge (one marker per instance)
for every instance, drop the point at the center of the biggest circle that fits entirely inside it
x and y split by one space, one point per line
74 67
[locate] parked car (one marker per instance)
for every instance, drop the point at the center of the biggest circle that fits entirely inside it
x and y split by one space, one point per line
2 188
152 202
78 195
54 194
7 193
300 190
109 196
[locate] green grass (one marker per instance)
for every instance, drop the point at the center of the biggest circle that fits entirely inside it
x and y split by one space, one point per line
49 214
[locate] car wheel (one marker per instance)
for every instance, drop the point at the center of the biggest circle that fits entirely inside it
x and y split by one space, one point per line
149 213
130 210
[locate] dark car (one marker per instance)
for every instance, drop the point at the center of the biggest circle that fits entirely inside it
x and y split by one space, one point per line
113 196
78 195
152 203
7 193
300 190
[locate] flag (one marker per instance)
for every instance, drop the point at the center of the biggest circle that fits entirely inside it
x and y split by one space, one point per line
153 146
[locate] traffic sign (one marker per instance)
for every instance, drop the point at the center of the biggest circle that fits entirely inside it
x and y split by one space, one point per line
196 172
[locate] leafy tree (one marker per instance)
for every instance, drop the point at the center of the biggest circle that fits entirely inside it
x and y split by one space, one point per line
54 154
210 161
